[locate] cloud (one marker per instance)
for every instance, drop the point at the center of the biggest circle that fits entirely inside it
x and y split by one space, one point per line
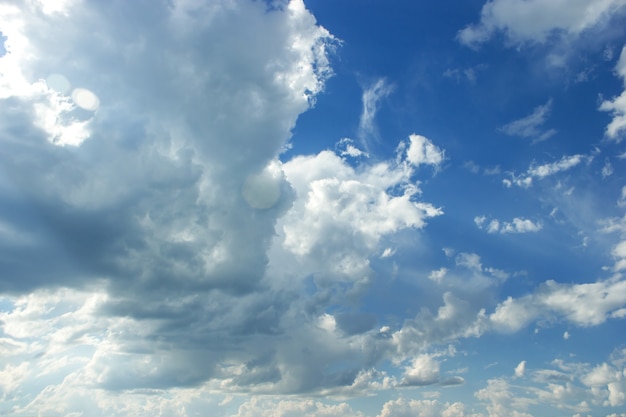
268 408
346 148
456 318
502 400
167 253
158 189
581 304
148 252
545 170
520 369
612 378
403 407
517 225
469 74
530 126
617 106
159 258
343 213
567 162
423 370
438 275
537 20
371 98
422 151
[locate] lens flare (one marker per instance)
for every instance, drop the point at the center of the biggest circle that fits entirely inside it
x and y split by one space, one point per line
85 99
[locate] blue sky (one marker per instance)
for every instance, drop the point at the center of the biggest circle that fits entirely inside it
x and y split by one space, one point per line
313 208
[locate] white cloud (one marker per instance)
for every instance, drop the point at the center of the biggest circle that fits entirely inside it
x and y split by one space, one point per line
567 162
469 260
517 225
456 318
538 20
201 245
346 148
257 407
617 106
520 369
531 125
612 379
169 201
423 370
403 407
607 169
480 221
341 214
438 274
423 151
502 401
581 304
372 96
545 170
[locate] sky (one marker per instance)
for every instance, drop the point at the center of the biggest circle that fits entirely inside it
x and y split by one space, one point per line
319 208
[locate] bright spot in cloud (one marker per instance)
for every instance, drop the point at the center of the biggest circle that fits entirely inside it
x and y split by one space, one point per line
85 99
262 191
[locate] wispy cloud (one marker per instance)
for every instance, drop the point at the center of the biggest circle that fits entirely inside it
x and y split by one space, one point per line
531 125
545 170
371 98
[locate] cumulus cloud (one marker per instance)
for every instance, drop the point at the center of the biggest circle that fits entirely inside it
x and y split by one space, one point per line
537 20
531 125
342 214
403 407
438 275
517 225
159 258
457 318
171 179
502 400
580 304
267 408
421 151
166 249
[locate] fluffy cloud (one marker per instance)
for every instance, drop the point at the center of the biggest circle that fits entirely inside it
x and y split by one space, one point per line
537 20
155 190
531 125
165 249
581 304
423 151
403 407
456 318
517 225
306 408
501 400
341 214
424 370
